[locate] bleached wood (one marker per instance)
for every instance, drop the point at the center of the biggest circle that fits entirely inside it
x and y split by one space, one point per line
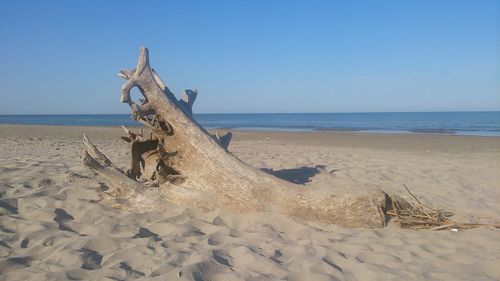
199 172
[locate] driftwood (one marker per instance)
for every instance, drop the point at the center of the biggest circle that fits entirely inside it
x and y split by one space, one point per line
179 162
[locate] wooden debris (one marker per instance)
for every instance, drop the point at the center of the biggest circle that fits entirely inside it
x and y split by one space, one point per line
417 216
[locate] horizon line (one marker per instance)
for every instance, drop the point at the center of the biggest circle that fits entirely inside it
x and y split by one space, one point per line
214 113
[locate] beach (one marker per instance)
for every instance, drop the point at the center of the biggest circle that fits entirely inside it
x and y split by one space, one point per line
53 227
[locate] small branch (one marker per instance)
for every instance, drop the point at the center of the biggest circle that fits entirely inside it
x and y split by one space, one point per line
415 197
224 140
95 153
445 226
187 100
126 74
123 186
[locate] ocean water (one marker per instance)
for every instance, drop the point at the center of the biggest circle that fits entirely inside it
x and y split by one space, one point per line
459 123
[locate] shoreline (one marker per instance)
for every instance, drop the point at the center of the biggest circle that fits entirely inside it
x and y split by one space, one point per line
476 123
416 143
429 132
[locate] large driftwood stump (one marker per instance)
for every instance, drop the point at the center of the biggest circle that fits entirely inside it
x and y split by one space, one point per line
179 162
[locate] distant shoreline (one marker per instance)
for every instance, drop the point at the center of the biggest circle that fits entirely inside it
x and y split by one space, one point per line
4 128
289 130
441 123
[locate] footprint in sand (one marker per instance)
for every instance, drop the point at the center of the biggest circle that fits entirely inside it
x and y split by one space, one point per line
223 258
131 273
61 218
9 206
62 215
15 263
24 243
219 238
44 182
146 233
91 259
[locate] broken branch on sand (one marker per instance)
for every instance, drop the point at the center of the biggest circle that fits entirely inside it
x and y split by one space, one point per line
418 216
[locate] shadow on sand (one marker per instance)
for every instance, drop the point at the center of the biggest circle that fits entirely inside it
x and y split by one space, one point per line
300 175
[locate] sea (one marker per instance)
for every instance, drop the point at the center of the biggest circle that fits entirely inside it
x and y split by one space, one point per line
452 123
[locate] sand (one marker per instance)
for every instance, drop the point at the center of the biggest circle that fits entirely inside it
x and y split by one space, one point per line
52 226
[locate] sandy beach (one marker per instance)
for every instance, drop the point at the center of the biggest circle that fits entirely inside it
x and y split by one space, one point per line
52 226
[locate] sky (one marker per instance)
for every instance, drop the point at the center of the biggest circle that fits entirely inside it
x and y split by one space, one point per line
61 57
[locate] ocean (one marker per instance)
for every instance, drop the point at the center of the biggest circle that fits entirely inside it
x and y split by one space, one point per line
458 123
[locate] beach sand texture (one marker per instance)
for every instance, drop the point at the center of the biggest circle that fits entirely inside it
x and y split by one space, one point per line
52 226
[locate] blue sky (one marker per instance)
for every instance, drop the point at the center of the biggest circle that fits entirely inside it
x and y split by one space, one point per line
254 56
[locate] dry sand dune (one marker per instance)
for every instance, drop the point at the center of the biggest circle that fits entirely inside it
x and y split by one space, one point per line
52 226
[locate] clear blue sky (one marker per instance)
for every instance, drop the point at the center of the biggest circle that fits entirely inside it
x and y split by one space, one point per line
254 56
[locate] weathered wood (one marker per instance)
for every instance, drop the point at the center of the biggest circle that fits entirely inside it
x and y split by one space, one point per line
187 100
224 140
182 163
